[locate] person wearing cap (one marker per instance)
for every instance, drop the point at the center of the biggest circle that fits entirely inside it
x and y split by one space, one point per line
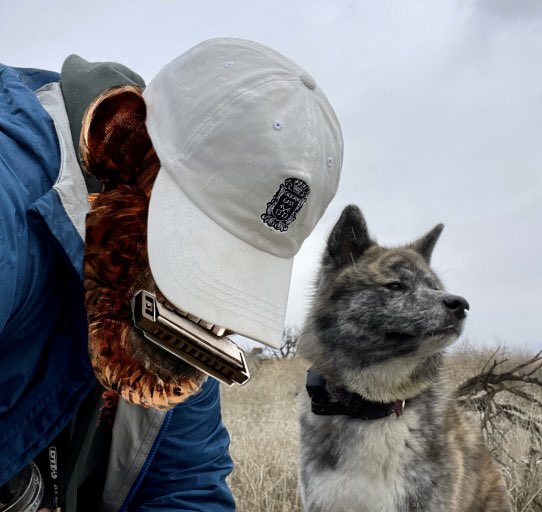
205 184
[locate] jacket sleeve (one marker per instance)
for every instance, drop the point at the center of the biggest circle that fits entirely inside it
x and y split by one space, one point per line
8 260
29 163
190 466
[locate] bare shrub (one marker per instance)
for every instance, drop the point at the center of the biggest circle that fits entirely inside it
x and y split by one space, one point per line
506 394
288 348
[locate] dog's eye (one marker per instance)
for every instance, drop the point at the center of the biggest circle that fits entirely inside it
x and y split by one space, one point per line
396 286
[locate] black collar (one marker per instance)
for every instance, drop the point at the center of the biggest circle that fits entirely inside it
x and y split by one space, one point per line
330 401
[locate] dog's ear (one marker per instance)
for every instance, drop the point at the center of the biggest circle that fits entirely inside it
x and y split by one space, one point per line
426 243
114 138
349 239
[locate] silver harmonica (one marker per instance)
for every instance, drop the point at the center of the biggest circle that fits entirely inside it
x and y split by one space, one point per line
217 356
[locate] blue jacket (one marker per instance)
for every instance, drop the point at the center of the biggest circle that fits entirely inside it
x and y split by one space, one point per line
167 461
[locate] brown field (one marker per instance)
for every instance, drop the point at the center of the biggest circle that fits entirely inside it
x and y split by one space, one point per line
262 420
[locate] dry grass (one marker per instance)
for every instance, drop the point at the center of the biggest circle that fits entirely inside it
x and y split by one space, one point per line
262 420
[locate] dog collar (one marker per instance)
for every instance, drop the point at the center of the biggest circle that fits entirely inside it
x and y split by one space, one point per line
333 401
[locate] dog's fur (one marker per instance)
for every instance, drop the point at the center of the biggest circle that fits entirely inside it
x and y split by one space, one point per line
378 327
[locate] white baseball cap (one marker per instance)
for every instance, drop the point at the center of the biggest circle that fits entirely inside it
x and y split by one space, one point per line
250 153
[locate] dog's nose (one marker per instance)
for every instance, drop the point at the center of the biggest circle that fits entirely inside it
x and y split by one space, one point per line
457 305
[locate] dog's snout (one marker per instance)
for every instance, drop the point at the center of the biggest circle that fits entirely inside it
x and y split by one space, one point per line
457 304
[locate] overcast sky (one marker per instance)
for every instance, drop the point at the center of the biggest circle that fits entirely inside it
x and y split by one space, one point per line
440 105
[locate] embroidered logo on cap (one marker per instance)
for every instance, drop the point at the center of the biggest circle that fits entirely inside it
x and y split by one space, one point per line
286 203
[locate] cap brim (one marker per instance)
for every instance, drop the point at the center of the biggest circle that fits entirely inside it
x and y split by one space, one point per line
206 271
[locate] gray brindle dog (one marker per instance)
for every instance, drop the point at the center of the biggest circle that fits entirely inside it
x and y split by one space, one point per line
380 431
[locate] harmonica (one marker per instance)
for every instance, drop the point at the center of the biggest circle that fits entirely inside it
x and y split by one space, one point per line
202 347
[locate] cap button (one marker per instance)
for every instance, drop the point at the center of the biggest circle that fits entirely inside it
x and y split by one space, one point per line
308 81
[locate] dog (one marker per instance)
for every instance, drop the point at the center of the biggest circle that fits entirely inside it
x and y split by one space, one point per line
379 428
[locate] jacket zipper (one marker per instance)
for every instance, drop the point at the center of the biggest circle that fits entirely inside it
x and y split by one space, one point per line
148 462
